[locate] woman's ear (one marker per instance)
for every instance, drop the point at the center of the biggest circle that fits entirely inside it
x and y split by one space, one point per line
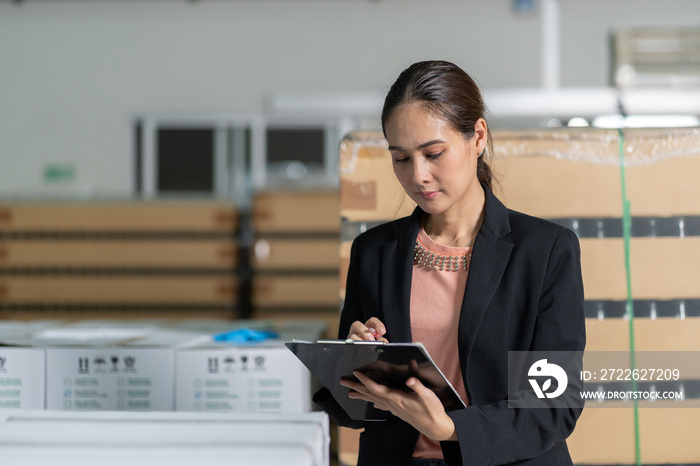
481 134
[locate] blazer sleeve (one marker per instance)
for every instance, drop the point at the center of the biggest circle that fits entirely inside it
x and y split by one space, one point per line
350 313
495 433
352 307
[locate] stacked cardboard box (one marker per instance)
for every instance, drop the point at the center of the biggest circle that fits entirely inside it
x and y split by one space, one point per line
294 257
117 259
574 177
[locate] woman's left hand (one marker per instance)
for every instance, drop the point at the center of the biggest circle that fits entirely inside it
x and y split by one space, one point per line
420 407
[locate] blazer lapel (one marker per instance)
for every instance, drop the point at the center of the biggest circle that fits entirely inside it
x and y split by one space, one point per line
397 267
492 251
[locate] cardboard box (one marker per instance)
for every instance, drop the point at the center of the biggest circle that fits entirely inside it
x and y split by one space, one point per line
568 172
666 334
296 254
118 216
296 290
662 267
296 211
369 190
606 435
90 290
138 253
578 173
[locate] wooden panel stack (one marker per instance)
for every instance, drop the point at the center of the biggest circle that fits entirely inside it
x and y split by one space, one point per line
117 259
573 177
295 255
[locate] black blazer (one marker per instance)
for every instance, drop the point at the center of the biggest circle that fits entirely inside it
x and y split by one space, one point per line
524 293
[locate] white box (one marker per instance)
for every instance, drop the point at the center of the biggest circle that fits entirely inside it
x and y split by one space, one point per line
131 366
88 367
251 379
21 378
109 379
29 438
119 368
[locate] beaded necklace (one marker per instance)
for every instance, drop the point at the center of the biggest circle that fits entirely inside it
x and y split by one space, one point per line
424 257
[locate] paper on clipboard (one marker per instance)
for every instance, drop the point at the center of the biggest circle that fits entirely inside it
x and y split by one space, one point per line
387 363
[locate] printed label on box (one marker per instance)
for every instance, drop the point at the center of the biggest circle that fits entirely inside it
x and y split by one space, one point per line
21 378
115 379
246 379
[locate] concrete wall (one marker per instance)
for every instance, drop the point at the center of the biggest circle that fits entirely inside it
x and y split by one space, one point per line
73 73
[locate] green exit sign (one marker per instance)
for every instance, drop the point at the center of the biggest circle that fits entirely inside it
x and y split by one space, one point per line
59 173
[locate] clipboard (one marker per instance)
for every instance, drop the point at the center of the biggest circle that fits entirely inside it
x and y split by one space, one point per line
386 363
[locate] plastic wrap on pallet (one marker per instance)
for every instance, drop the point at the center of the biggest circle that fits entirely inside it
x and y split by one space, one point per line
351 145
641 146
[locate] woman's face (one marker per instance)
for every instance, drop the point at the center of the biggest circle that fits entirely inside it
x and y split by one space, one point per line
434 163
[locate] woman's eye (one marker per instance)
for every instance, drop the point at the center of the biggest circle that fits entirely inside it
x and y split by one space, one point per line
400 159
434 155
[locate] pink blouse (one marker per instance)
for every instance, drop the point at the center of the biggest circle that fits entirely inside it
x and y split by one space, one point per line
437 289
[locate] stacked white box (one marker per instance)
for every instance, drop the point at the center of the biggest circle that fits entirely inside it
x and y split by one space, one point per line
88 367
149 366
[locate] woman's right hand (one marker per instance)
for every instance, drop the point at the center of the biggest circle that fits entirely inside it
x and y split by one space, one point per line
372 330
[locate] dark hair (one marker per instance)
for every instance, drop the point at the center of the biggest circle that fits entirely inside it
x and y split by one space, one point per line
447 92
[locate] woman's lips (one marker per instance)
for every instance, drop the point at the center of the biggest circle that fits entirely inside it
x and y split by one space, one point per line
428 194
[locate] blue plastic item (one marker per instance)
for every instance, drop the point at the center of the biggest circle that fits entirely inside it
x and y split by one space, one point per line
245 335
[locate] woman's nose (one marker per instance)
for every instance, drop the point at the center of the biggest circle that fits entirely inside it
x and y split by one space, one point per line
421 173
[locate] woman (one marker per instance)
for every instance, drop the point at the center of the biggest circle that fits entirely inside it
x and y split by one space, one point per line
407 281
